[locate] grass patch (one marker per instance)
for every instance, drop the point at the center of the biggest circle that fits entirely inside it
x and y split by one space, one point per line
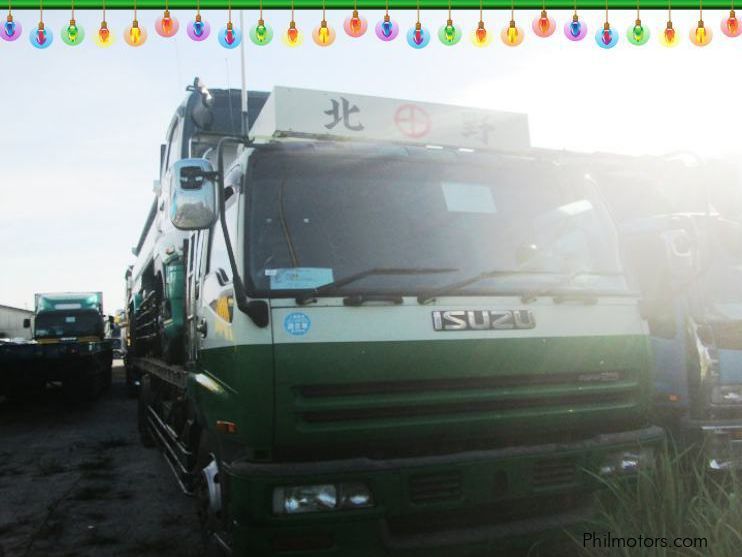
677 499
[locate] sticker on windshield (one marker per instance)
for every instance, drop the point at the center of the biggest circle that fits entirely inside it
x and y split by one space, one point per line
468 198
297 324
298 278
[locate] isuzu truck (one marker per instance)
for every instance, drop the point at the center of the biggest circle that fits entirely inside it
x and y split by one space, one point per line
69 346
406 333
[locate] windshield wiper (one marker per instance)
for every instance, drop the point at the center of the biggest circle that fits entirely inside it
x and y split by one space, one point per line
449 288
309 296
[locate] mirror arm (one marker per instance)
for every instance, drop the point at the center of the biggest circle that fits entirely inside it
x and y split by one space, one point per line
257 310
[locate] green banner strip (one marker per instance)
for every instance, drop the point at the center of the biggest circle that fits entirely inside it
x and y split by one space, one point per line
376 4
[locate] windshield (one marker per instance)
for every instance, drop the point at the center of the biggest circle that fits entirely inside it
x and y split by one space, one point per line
57 324
317 218
720 279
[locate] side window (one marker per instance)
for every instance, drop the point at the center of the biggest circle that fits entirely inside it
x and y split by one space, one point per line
219 259
174 140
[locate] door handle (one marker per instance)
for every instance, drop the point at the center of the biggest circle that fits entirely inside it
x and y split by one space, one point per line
202 327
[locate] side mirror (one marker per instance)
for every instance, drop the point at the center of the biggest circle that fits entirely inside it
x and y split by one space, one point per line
680 252
193 194
26 323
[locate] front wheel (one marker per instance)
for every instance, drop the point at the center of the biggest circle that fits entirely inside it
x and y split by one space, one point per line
209 496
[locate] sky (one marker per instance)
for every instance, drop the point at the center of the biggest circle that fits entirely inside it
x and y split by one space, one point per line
81 127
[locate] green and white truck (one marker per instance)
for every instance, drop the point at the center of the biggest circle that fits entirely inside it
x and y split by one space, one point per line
407 333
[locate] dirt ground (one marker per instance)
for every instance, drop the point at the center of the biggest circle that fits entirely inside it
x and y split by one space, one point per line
75 481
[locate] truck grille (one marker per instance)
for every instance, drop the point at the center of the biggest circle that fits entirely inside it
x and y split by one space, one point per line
554 472
613 387
433 488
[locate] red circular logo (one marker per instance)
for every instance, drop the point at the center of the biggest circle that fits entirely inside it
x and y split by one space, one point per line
412 121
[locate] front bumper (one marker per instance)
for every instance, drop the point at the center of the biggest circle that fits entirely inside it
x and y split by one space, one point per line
720 442
467 504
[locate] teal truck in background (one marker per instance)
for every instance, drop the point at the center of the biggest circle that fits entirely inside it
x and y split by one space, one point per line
69 346
405 333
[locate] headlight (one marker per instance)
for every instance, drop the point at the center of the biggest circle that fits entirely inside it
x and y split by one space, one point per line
726 394
626 462
323 497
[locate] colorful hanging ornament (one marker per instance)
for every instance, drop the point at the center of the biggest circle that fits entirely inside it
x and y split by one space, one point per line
135 35
512 35
230 36
575 30
355 25
669 37
198 29
11 28
166 25
449 34
637 33
701 35
293 36
41 37
261 34
323 34
387 30
418 36
543 25
730 26
104 37
481 37
606 37
72 34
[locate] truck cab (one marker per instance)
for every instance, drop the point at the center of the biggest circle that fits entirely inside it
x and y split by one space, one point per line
695 326
69 346
396 346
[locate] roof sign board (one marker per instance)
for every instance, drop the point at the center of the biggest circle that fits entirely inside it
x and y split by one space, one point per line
309 113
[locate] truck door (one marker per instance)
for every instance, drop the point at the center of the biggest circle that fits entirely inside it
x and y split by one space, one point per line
197 245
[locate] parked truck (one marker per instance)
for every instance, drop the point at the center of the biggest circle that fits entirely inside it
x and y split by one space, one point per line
69 346
405 333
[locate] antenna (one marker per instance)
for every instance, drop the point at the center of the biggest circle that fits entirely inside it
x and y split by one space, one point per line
245 120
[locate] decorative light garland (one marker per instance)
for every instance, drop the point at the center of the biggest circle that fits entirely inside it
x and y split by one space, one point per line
293 36
575 30
72 34
606 37
512 35
198 29
387 30
261 34
730 26
355 26
230 36
41 37
480 37
11 29
701 35
669 36
418 36
166 25
637 33
323 35
543 26
134 35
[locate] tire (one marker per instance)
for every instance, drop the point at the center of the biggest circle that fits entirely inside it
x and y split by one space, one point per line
212 524
107 377
143 402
